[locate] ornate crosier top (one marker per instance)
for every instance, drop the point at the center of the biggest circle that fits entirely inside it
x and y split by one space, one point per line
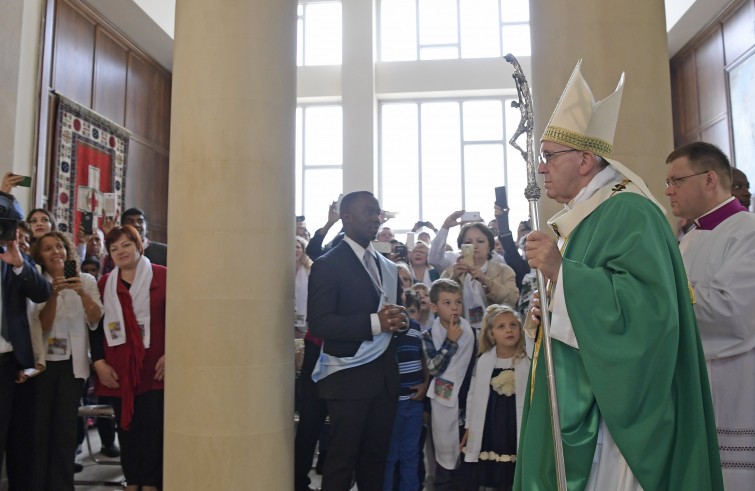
526 125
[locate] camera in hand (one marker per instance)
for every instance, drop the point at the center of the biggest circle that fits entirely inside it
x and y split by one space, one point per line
8 218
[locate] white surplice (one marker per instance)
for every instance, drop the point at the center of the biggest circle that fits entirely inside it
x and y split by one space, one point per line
721 268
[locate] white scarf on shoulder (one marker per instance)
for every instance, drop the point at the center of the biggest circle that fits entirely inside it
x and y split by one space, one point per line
115 328
445 407
479 392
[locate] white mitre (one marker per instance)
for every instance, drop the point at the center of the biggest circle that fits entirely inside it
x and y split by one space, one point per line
581 123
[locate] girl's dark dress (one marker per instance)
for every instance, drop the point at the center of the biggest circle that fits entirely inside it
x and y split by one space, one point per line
499 436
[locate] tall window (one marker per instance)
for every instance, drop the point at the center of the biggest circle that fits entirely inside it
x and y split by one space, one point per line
319 161
443 29
318 33
440 156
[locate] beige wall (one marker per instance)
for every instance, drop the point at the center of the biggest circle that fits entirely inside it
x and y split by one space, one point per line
20 24
628 37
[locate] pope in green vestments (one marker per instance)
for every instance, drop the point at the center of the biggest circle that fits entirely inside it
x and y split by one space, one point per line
639 365
627 355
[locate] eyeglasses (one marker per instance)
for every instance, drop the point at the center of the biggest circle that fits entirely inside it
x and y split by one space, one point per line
546 157
677 181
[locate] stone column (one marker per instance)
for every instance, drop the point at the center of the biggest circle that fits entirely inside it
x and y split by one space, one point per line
622 36
229 362
358 98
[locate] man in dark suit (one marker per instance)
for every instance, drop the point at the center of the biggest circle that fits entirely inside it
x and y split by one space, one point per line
354 306
20 280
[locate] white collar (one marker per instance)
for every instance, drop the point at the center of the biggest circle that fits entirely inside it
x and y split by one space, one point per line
358 249
600 179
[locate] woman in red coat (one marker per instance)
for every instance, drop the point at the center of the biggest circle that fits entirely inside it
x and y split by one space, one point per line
128 353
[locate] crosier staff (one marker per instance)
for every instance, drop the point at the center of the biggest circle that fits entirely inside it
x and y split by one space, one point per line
532 193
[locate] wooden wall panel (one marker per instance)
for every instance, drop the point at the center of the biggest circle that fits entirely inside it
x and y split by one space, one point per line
138 178
163 105
718 134
110 78
684 99
74 54
699 77
92 63
711 78
138 95
159 188
147 182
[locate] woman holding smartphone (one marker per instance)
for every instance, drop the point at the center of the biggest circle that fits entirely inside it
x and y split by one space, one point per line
483 281
128 353
74 305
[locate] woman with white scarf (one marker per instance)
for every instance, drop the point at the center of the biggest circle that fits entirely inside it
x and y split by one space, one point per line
485 282
73 306
303 265
128 353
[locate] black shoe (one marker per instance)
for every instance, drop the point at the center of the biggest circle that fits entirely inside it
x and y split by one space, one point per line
77 468
111 451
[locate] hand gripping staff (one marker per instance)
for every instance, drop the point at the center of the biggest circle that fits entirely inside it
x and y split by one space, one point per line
532 193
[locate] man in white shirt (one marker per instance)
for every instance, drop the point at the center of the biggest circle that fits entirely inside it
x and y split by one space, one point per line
719 256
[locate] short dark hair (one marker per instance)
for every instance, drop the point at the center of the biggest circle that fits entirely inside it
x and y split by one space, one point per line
350 199
24 226
443 285
413 298
705 156
485 231
90 260
131 212
119 232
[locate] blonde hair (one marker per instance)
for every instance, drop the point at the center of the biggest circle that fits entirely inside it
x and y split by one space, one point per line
421 286
305 260
487 342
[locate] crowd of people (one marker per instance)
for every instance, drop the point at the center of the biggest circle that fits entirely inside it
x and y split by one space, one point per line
429 359
456 310
70 304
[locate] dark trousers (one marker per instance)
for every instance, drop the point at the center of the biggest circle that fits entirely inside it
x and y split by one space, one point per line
142 443
20 442
360 434
56 410
8 373
312 414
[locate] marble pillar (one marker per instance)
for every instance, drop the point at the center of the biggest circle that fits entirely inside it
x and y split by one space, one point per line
229 360
609 38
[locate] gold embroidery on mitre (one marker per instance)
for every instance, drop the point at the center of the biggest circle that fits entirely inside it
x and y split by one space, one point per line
578 141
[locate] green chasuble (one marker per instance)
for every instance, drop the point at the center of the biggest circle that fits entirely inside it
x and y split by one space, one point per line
639 365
